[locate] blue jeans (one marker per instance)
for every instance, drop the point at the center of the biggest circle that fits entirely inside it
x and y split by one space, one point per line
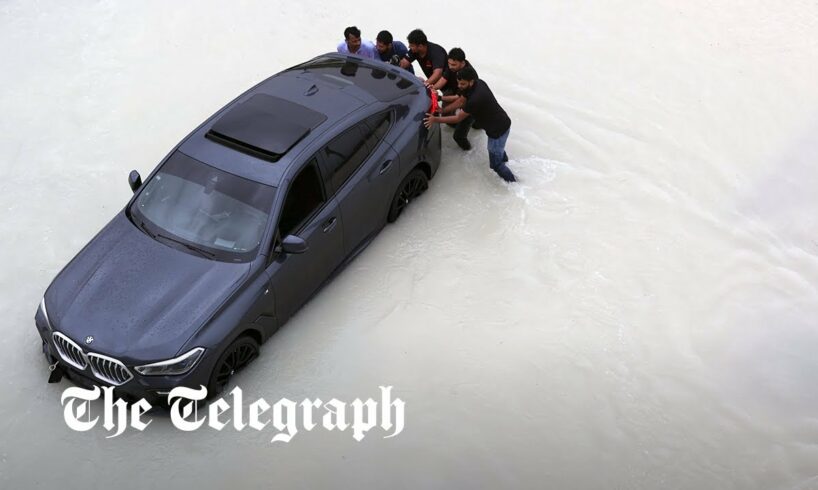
498 158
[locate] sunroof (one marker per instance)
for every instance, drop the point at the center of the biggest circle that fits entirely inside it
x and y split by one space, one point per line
384 84
265 126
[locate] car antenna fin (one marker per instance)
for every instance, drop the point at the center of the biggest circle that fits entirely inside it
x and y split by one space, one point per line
312 90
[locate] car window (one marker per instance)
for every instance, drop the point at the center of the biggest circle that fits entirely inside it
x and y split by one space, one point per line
344 154
376 127
305 196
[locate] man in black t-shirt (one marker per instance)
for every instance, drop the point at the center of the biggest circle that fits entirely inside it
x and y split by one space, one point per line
481 104
430 56
456 61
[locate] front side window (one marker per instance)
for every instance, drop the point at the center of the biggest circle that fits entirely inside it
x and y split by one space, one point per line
304 198
204 209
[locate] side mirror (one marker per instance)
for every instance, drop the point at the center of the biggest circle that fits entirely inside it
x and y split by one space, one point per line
134 180
293 245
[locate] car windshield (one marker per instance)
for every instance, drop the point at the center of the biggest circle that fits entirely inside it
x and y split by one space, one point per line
204 210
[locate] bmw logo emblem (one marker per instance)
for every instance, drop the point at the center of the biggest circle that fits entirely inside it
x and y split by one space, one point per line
89 339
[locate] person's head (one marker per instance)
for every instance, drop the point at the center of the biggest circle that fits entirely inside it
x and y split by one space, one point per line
456 59
417 42
384 42
466 78
352 35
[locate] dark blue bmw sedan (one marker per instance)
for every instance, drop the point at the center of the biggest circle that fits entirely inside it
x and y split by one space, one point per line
242 222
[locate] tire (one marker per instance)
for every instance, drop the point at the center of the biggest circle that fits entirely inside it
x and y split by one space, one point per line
412 186
235 358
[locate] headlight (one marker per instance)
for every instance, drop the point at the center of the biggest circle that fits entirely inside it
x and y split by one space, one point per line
41 309
172 367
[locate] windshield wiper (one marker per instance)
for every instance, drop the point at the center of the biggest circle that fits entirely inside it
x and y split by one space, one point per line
145 229
203 253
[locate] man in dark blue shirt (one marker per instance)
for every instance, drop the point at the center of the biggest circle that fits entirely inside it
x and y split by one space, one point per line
388 48
481 104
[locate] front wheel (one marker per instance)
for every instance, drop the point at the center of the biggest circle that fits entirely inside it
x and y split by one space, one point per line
412 186
235 358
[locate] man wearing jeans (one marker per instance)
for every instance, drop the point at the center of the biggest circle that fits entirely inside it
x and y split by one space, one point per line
481 104
452 97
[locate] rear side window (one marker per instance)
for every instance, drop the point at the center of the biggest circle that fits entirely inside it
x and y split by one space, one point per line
376 127
344 154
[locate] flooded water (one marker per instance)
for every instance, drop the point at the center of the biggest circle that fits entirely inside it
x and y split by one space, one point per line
640 311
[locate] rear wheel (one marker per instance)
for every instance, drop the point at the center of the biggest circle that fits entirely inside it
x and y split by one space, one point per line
412 186
235 358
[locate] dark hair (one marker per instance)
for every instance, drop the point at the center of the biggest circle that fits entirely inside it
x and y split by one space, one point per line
417 37
352 30
384 37
467 73
457 54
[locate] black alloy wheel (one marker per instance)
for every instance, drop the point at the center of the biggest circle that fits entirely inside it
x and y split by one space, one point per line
235 358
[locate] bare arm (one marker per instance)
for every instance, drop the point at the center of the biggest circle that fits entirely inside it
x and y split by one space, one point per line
436 74
440 83
430 119
456 103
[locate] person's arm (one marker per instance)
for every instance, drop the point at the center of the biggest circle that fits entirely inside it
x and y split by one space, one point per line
403 52
436 74
431 119
440 83
455 104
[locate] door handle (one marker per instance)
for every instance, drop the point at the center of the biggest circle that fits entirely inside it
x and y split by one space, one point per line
384 167
329 224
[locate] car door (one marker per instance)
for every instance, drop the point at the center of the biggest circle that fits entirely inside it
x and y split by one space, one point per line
310 215
365 174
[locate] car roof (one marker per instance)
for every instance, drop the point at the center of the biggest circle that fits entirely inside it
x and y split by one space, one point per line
260 133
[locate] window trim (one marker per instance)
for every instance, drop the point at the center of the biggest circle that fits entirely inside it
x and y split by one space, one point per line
331 189
312 161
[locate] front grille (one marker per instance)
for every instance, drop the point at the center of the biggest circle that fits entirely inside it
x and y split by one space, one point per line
69 351
109 369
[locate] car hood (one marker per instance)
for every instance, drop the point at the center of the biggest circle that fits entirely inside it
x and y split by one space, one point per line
139 299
